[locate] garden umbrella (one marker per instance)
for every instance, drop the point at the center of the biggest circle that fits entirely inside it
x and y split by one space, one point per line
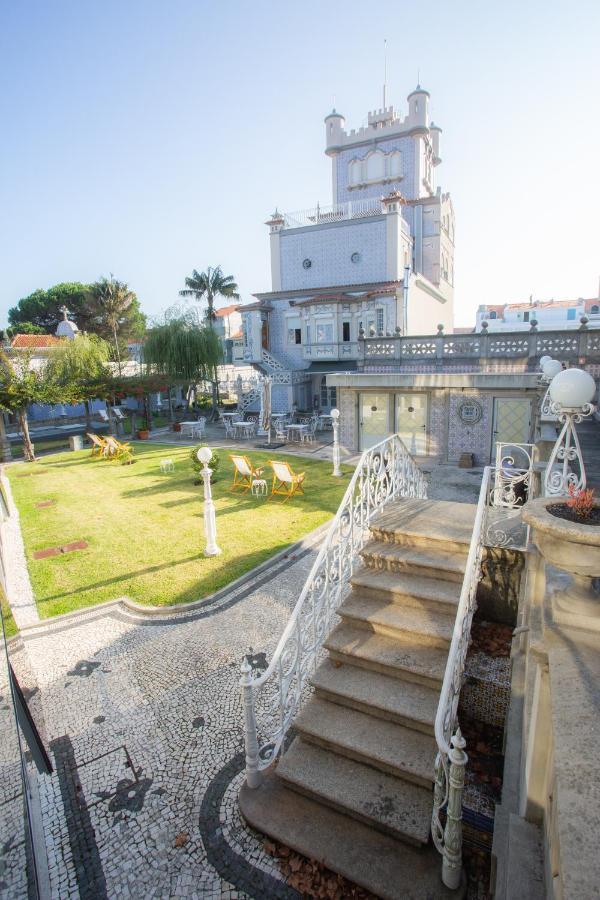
265 422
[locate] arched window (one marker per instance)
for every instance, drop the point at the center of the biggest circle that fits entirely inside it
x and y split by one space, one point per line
396 164
492 314
375 165
595 309
355 171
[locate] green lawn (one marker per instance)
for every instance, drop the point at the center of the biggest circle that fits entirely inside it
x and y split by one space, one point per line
145 530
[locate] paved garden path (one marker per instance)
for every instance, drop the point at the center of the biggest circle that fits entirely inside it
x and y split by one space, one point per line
144 723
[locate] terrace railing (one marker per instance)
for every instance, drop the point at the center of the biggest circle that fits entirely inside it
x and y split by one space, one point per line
338 212
580 345
385 472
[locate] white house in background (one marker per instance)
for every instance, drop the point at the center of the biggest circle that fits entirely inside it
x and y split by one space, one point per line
550 315
379 260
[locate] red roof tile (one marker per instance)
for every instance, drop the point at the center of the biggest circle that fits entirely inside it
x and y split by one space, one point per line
227 310
34 341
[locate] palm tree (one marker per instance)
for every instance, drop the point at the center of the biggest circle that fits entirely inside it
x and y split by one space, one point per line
110 302
209 285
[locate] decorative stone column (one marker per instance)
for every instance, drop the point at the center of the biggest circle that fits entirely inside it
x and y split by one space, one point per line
452 861
210 525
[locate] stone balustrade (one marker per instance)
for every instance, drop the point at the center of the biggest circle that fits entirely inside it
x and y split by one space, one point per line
578 347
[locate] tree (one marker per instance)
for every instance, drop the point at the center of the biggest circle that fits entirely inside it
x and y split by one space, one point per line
182 352
22 384
112 307
208 286
79 366
42 308
40 312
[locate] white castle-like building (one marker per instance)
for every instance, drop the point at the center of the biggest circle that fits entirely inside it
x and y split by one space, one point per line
378 261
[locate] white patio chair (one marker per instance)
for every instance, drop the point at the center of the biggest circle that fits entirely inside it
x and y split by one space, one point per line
229 429
307 435
102 415
118 414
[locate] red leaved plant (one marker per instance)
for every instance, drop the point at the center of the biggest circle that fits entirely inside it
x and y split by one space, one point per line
581 502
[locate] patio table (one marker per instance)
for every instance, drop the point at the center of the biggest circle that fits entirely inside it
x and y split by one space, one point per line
194 429
244 430
294 432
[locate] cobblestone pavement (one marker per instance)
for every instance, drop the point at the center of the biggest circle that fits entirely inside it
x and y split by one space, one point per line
144 724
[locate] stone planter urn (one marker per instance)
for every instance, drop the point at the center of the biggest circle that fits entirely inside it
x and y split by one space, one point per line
573 547
143 434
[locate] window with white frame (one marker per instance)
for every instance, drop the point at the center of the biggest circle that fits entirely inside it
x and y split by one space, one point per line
324 332
380 321
328 394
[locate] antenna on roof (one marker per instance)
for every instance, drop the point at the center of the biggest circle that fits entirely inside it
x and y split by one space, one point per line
384 69
419 77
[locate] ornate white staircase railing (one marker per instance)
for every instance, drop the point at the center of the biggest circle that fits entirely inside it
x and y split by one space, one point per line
505 488
384 473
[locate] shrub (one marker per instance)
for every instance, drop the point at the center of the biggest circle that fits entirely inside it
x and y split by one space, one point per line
581 502
197 466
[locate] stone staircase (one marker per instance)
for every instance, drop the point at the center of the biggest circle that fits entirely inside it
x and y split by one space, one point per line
355 787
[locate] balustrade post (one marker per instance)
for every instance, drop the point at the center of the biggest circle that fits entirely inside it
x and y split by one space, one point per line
452 856
253 778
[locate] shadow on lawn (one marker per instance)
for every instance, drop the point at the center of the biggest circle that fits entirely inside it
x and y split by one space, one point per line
214 580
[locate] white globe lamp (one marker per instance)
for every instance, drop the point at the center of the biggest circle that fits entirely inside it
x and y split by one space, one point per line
571 394
572 388
204 455
544 359
551 368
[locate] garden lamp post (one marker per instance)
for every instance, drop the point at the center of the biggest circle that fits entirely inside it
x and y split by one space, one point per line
210 526
335 421
571 392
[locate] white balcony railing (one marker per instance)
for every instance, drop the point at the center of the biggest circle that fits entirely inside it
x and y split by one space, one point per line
338 212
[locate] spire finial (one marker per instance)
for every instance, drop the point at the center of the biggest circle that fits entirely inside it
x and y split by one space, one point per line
63 309
384 69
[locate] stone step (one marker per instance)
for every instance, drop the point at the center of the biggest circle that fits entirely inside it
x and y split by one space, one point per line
382 617
401 657
408 590
387 746
386 867
447 565
387 803
404 702
426 523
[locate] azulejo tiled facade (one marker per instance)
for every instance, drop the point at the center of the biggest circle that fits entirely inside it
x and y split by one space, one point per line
378 261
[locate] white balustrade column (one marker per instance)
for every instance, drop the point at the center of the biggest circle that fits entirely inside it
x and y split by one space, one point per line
335 418
452 858
250 734
210 524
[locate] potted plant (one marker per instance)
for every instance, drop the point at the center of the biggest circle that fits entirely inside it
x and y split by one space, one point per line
197 466
566 531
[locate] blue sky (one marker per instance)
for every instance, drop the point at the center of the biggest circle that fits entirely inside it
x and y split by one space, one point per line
149 138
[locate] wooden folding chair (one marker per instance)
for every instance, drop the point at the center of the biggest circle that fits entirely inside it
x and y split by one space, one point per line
243 472
285 481
98 444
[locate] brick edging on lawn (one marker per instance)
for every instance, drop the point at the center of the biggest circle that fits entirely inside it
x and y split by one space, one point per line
136 610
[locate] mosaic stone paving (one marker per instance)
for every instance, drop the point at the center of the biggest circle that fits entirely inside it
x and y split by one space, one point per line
144 726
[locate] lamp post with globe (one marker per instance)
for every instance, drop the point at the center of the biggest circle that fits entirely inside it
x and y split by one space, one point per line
571 392
204 456
335 421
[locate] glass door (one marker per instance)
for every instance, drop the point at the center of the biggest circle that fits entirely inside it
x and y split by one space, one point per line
411 422
374 419
512 422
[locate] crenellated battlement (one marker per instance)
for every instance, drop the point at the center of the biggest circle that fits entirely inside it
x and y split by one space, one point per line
385 121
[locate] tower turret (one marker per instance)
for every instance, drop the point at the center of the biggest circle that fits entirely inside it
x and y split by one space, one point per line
334 129
418 107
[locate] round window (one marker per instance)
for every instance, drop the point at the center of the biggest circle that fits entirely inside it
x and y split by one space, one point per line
355 257
307 263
